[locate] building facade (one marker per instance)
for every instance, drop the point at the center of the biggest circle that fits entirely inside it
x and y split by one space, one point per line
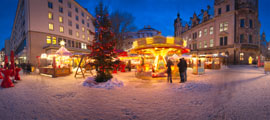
231 28
40 25
129 37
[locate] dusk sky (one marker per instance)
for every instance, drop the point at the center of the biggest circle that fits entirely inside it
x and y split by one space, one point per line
160 14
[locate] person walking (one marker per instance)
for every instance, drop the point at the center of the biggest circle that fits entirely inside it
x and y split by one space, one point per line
169 70
182 65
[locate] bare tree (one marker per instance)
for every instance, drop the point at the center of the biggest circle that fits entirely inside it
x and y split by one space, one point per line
122 22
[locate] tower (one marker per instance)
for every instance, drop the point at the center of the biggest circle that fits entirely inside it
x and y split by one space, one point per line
178 28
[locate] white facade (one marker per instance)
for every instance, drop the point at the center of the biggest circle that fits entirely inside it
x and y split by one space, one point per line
40 25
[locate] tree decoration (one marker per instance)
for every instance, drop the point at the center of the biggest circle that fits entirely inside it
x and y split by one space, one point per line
103 45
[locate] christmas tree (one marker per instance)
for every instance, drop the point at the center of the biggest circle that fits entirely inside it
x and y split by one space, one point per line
103 47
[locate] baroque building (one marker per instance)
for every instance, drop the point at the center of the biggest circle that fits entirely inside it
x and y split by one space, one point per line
231 28
40 25
129 37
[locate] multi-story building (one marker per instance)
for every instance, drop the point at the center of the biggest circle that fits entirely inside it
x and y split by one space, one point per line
40 25
2 55
129 37
231 28
7 47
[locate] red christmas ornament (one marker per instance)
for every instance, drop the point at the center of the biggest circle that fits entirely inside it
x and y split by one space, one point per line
1 77
6 83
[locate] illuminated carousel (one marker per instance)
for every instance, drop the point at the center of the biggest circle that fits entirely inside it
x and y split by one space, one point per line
154 53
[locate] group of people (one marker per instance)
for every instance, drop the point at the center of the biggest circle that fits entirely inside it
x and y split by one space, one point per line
182 65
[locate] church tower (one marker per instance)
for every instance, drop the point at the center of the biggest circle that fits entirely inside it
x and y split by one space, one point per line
178 28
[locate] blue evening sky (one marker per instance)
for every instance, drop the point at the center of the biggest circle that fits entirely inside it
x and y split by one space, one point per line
160 14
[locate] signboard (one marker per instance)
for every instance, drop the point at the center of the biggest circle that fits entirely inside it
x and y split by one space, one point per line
267 66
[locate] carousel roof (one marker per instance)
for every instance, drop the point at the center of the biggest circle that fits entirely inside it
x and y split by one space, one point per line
63 52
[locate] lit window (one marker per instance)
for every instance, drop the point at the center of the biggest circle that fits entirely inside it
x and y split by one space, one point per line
88 32
83 29
49 39
211 43
87 17
205 44
88 38
60 19
205 32
241 56
226 26
221 27
211 30
83 36
54 40
77 34
200 44
50 15
200 33
83 46
61 29
50 26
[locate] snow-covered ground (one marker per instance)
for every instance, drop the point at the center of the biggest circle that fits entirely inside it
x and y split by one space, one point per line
235 93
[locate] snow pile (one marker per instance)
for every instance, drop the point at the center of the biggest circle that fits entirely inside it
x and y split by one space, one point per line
195 87
110 84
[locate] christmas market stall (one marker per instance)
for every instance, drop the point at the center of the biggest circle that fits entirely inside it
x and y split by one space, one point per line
154 53
58 64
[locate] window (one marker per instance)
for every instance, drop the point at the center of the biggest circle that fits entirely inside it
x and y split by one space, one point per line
221 27
49 39
221 41
83 29
83 46
50 15
77 10
61 9
60 19
250 39
77 18
50 5
195 46
88 32
205 32
80 45
82 21
225 40
70 32
77 26
250 24
83 36
61 1
226 26
70 23
242 23
69 5
219 11
211 43
87 17
88 38
82 14
211 30
59 40
61 29
88 25
205 44
200 44
77 34
50 26
72 44
241 38
227 8
241 56
200 33
77 45
69 14
54 40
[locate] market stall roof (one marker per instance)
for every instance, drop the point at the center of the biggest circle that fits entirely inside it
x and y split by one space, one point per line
63 52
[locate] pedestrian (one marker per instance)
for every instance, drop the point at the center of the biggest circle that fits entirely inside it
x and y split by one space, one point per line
169 70
129 65
182 65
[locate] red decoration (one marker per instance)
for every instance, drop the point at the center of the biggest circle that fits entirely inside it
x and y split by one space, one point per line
123 66
1 77
115 69
6 83
17 75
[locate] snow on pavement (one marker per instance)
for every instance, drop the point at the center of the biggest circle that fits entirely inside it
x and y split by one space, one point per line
238 92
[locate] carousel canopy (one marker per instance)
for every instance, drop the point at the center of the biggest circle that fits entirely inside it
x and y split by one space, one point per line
63 52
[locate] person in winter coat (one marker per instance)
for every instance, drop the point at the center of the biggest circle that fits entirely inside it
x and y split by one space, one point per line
182 65
169 70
